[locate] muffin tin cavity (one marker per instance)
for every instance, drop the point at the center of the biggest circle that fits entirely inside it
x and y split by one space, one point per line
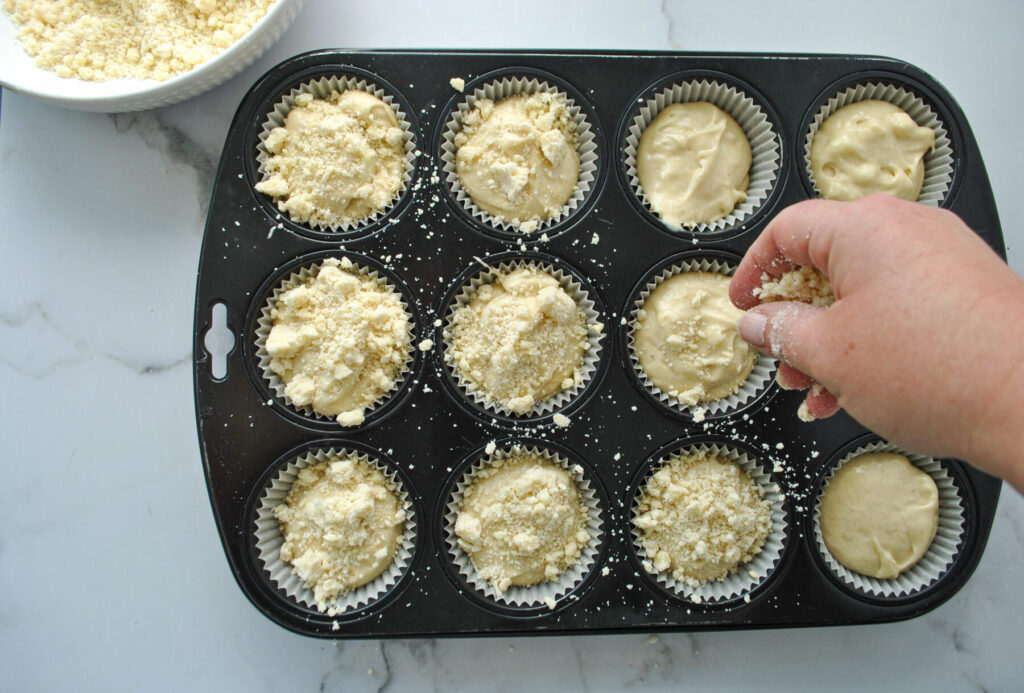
750 111
545 597
485 271
497 86
750 577
610 429
939 163
260 323
754 389
266 535
325 84
940 557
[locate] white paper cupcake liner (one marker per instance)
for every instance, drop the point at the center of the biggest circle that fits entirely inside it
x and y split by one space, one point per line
497 90
748 575
265 322
939 557
322 88
269 537
765 144
543 593
757 382
938 163
591 357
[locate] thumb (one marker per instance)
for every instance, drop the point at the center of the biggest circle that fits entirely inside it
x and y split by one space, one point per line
791 332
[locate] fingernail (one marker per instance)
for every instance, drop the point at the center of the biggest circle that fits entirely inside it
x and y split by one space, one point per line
751 327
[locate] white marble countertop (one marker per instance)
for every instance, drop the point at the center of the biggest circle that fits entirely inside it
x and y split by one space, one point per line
111 571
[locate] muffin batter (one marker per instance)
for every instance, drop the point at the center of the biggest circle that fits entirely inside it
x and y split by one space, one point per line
879 514
693 163
700 517
520 340
686 339
335 161
517 159
522 522
339 341
870 147
341 521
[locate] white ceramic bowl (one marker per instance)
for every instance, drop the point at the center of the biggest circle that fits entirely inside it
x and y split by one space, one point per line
19 73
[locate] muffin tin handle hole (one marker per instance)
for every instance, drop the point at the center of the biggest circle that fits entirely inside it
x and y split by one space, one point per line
219 341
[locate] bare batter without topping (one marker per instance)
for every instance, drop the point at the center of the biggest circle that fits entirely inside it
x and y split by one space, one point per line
870 147
693 163
879 514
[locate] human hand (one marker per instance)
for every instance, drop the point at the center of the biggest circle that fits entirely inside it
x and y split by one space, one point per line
925 342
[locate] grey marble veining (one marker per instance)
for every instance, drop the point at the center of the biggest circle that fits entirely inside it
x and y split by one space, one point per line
111 570
672 37
175 146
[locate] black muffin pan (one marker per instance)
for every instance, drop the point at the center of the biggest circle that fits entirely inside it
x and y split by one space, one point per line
429 431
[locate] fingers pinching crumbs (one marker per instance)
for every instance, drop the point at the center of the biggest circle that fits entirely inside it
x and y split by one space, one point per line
802 284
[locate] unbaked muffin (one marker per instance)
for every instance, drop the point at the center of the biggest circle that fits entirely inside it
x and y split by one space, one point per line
335 161
342 523
879 514
521 521
700 517
870 147
517 159
339 341
686 341
518 340
693 163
